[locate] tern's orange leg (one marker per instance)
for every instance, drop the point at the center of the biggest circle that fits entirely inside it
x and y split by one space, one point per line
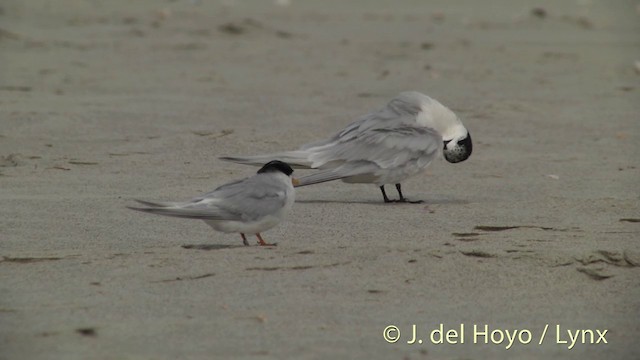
244 240
262 242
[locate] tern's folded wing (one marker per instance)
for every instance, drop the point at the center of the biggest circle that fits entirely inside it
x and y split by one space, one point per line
386 147
250 198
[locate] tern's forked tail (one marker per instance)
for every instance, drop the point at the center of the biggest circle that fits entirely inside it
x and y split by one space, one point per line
180 210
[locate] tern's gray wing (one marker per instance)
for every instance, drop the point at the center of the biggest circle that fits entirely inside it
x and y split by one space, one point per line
396 112
386 147
248 199
364 156
242 200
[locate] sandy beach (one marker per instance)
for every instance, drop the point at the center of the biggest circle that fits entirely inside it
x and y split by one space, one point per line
537 232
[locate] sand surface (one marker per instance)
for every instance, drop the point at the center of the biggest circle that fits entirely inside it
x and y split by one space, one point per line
105 101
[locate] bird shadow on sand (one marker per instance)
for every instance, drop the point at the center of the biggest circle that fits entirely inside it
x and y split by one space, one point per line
209 247
382 203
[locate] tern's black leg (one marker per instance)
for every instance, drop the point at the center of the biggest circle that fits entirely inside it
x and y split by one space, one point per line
244 240
403 199
384 195
399 188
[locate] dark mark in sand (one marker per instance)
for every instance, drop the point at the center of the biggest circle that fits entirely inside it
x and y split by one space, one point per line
283 34
58 168
231 28
89 332
503 228
477 253
16 88
26 260
303 267
130 153
73 162
594 273
466 234
185 278
265 268
495 228
48 333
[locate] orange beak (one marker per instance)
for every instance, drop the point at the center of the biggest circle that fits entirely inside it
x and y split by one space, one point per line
295 181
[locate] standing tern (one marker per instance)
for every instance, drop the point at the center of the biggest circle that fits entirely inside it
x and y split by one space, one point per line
384 147
248 206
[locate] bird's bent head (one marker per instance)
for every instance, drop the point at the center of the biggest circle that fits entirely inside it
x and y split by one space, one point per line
458 148
276 166
432 114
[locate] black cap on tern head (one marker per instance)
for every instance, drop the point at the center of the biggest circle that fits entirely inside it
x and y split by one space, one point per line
276 165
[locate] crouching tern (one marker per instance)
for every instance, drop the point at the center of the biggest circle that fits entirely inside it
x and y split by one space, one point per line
384 147
248 206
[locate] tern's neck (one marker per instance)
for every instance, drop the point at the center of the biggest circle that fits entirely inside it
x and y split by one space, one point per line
443 120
